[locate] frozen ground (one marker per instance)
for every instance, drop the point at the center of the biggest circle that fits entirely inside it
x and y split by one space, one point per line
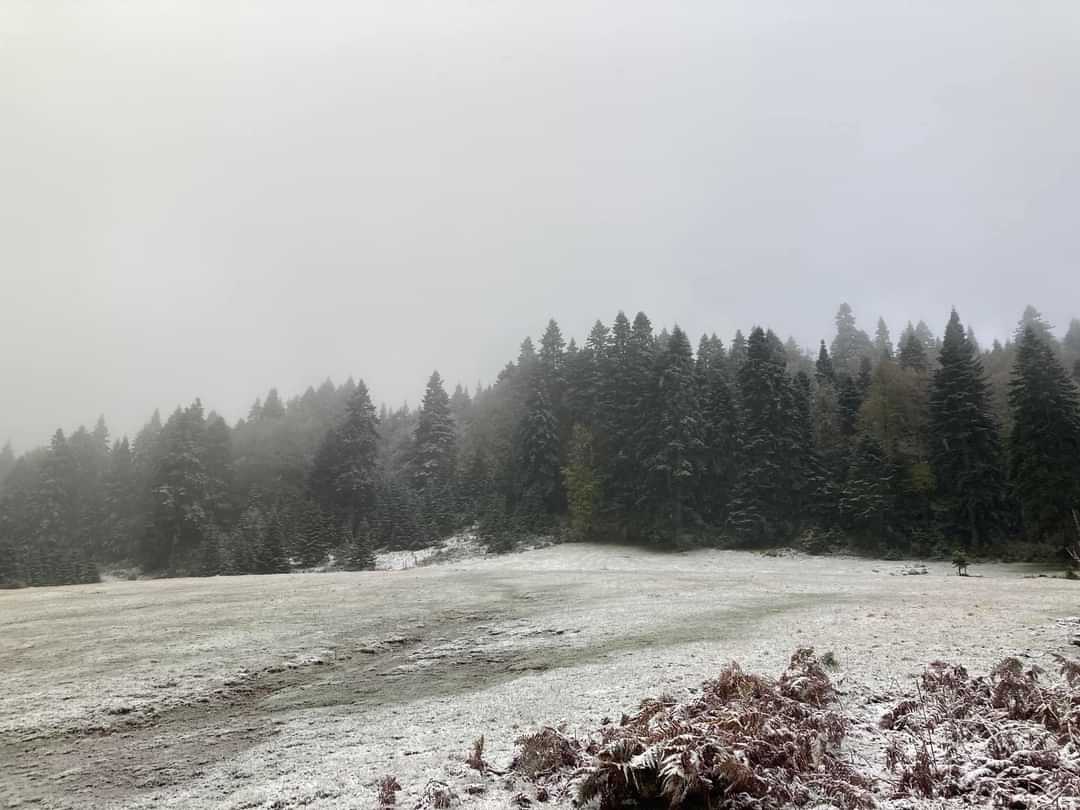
302 690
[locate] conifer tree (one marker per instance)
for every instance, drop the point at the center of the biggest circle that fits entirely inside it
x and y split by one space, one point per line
1045 442
883 346
965 451
738 353
849 400
182 492
537 456
270 556
7 462
272 408
1033 319
1072 337
344 471
850 343
435 439
359 555
719 428
824 370
121 503
581 483
866 496
913 353
675 447
760 507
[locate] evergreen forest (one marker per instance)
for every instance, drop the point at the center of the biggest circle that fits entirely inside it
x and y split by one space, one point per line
921 445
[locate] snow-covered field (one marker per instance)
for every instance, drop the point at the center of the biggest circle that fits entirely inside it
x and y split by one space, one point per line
302 690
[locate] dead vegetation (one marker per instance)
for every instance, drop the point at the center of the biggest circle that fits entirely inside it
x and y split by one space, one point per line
746 742
475 759
1006 739
388 789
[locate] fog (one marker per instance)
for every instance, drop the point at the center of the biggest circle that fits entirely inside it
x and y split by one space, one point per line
212 198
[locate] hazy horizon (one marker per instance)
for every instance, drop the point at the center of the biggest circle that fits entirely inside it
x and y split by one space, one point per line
211 199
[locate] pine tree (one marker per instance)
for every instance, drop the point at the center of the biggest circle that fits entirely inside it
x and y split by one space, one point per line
965 451
182 495
270 556
121 504
537 456
849 400
719 425
760 509
581 483
7 462
866 496
883 341
1032 319
359 555
824 370
737 355
552 349
676 443
1072 337
272 408
435 439
343 475
913 353
1045 442
850 343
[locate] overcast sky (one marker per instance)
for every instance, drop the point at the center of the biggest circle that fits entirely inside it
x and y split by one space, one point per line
211 198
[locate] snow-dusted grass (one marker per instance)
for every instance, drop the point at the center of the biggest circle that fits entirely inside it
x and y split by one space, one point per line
325 682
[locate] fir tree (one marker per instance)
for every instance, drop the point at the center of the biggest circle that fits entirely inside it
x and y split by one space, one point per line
866 496
435 439
965 451
272 408
344 471
1033 320
883 346
537 456
676 443
760 510
581 483
182 493
738 353
719 427
359 555
850 343
849 400
1045 442
824 370
913 353
270 556
7 462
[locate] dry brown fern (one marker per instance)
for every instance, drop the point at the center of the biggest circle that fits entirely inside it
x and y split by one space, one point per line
745 741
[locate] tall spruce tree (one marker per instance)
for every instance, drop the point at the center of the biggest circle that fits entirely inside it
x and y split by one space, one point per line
965 449
7 461
760 509
883 346
674 449
850 343
537 457
435 440
1044 447
344 474
824 370
719 429
913 352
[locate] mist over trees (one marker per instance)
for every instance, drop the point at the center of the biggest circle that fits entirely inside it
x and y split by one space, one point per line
906 445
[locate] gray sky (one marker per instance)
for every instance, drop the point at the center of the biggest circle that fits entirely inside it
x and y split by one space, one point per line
210 198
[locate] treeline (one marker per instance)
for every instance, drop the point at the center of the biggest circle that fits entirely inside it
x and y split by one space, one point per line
917 448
